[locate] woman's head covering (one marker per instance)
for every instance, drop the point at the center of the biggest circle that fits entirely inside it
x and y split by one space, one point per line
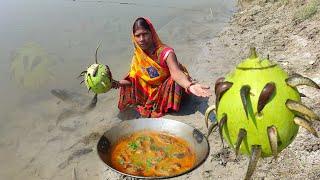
156 40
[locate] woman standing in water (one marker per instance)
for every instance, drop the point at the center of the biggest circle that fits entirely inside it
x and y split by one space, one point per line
156 80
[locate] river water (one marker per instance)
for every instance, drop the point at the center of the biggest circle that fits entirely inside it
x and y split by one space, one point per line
45 44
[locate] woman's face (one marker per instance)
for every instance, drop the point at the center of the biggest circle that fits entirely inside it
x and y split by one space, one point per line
144 38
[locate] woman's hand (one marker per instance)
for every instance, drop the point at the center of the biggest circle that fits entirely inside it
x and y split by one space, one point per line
199 90
115 84
121 83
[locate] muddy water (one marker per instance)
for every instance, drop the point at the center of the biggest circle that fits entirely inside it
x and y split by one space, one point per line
45 44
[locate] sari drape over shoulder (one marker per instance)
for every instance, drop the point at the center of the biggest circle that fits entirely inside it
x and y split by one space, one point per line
152 90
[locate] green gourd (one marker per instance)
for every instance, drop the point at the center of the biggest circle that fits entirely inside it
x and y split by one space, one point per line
259 109
98 79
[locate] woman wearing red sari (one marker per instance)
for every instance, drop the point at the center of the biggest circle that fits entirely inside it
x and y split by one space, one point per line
156 81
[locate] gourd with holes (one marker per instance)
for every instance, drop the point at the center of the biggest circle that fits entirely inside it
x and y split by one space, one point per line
259 109
98 78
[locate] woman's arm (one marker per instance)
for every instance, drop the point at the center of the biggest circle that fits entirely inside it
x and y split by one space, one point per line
182 79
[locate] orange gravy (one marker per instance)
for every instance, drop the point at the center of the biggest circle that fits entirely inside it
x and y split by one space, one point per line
150 153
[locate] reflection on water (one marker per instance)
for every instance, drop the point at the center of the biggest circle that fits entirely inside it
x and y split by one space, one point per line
31 67
45 44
